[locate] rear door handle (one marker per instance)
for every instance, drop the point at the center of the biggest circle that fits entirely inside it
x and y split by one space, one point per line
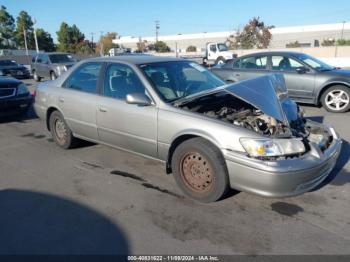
237 74
102 109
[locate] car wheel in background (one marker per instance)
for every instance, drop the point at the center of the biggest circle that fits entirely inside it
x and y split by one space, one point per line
220 61
60 131
36 77
336 99
53 76
200 170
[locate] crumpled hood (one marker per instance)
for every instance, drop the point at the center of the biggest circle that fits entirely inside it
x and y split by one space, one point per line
268 94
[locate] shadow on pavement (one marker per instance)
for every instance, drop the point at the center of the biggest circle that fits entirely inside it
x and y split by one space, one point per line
19 118
39 223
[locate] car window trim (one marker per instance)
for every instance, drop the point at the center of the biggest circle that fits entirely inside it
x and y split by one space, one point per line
80 66
107 65
290 71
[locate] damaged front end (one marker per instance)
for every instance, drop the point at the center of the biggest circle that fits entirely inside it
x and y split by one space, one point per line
262 105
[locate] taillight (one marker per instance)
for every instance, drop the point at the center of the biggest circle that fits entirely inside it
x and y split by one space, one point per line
34 93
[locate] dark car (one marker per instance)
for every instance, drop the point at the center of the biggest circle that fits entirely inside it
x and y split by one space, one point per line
11 68
308 79
51 65
15 97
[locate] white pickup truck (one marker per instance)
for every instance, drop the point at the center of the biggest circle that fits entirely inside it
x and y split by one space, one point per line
215 53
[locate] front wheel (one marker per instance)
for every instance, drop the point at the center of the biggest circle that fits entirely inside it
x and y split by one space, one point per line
220 61
60 131
36 77
336 99
53 76
200 170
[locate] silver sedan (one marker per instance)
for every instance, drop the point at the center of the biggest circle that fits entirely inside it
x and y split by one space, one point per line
248 136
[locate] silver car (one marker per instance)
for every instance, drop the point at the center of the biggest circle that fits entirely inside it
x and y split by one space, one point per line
248 136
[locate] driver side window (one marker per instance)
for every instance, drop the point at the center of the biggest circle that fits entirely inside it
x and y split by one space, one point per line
120 80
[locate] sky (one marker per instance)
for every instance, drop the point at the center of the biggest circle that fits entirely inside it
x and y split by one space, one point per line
137 17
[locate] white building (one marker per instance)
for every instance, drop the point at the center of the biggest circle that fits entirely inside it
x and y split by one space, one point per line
307 36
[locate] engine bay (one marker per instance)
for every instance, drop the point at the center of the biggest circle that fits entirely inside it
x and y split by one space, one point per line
230 109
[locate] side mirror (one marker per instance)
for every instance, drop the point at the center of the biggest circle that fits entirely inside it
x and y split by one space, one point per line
138 99
302 70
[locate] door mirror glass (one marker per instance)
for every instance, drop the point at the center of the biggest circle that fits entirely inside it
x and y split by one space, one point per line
138 99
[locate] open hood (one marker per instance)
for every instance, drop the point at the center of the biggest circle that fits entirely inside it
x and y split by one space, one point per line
268 94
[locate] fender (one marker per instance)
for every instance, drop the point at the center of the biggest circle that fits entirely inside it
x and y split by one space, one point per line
333 82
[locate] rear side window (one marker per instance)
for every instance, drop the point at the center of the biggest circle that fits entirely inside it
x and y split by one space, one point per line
254 62
85 78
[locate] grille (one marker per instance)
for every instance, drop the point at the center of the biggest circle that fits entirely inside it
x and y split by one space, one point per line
7 92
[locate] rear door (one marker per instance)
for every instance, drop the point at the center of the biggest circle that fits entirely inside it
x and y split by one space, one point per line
300 84
127 126
250 67
78 99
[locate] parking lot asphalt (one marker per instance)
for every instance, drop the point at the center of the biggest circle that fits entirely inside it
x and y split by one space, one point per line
99 200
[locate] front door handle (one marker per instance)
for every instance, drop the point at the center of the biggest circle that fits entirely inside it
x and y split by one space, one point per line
237 74
61 99
102 109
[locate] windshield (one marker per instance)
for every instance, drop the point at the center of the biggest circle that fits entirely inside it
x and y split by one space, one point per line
61 58
7 63
315 63
176 80
222 47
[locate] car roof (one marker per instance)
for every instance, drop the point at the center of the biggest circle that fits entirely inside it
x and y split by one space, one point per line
135 59
289 53
54 53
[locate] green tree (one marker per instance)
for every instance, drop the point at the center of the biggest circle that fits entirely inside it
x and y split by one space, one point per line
64 38
84 47
161 47
24 23
141 46
76 37
254 35
191 48
45 41
7 28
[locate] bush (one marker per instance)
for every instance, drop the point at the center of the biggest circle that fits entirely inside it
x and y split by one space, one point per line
328 42
161 47
295 44
343 42
191 48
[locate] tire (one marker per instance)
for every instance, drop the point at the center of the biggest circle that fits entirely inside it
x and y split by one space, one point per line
336 99
53 76
200 170
60 131
36 77
220 61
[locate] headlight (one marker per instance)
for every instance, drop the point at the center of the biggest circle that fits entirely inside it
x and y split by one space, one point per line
272 147
22 89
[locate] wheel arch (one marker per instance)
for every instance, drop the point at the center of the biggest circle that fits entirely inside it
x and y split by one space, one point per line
182 138
49 112
329 85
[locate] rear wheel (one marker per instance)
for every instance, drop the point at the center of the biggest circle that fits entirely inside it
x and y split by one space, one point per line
60 131
200 170
336 99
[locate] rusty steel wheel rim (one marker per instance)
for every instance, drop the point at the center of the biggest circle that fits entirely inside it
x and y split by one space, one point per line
196 172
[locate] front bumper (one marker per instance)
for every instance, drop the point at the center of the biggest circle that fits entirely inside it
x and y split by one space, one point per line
282 178
15 105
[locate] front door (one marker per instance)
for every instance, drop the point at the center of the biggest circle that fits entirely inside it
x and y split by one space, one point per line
127 126
300 84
